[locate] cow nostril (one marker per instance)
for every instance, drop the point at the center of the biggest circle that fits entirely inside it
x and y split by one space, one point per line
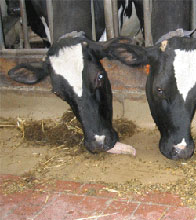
175 152
178 149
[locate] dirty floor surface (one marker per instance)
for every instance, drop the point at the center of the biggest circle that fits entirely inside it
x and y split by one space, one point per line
39 181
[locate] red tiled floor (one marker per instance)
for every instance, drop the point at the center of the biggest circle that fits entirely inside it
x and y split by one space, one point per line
68 186
119 210
77 201
159 198
64 207
180 213
97 189
149 212
25 205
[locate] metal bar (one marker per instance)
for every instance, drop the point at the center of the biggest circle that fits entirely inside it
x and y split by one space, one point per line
193 14
24 23
108 18
3 7
23 51
115 17
49 5
93 21
147 22
2 42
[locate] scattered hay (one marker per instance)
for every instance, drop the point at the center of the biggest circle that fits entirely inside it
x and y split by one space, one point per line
26 182
185 188
66 131
7 123
124 127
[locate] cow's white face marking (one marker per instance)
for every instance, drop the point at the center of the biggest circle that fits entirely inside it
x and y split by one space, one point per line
185 71
100 138
181 145
69 64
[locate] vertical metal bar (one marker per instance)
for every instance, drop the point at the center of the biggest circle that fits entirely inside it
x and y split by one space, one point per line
2 42
93 21
24 23
193 14
108 18
49 5
147 22
115 17
3 7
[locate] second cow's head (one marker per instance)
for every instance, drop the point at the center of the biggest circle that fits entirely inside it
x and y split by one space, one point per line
170 89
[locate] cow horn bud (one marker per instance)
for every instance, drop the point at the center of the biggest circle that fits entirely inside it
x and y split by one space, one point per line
163 45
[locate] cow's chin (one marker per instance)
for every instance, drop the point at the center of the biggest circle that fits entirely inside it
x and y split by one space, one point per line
95 147
174 153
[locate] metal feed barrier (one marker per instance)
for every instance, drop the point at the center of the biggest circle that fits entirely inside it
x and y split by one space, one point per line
111 20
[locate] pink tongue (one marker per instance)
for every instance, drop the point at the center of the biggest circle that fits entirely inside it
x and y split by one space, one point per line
120 148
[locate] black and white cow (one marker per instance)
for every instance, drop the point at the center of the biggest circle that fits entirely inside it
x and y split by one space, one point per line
168 16
68 16
36 17
78 77
170 89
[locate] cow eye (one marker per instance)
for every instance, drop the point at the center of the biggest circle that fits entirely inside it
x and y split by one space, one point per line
100 77
160 91
99 80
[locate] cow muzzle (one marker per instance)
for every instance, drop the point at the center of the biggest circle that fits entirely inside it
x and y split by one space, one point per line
179 151
182 151
101 143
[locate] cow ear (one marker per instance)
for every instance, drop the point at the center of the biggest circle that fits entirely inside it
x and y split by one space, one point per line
125 50
122 49
127 54
26 73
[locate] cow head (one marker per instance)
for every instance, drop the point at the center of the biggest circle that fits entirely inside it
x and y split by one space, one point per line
170 89
78 77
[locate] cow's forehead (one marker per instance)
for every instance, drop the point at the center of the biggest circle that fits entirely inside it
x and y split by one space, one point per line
185 70
69 64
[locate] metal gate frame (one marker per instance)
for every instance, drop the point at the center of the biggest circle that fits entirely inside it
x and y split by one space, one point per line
111 20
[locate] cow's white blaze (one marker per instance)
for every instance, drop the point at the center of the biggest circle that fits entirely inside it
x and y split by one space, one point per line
185 71
100 138
69 64
181 145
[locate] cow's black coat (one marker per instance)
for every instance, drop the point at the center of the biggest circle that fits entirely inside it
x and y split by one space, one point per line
168 16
